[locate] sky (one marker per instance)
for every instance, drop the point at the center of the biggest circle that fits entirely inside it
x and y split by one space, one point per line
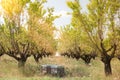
61 8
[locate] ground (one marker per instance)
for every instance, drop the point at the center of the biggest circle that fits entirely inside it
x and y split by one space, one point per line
75 70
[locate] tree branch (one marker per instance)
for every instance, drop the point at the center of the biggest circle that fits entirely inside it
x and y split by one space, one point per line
114 49
26 50
11 54
110 49
91 38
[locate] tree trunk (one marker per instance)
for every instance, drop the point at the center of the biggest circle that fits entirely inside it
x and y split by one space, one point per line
37 56
21 63
107 66
108 70
36 59
1 54
86 58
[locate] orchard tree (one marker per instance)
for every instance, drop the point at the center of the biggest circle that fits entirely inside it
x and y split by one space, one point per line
14 39
25 31
100 25
68 39
41 30
73 43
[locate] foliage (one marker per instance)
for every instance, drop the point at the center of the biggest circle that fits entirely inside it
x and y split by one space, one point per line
26 31
100 26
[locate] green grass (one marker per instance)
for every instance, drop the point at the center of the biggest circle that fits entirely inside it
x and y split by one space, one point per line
75 70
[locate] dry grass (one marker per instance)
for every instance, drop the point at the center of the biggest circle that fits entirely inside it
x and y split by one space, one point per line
75 70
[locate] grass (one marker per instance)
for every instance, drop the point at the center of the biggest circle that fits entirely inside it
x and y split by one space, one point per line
75 70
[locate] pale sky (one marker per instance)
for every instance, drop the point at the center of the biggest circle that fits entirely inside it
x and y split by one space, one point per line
61 7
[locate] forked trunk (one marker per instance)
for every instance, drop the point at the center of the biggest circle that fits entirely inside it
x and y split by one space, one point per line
22 61
36 59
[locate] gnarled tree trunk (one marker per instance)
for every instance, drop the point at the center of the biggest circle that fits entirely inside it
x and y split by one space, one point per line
37 56
107 65
21 63
87 58
22 60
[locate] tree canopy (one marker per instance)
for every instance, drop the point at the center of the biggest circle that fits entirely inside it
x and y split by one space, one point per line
26 30
96 29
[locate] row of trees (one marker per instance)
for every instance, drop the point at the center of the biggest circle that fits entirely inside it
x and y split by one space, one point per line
71 44
26 30
97 30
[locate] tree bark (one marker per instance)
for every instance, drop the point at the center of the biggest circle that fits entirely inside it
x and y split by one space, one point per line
86 58
36 59
107 65
1 54
21 63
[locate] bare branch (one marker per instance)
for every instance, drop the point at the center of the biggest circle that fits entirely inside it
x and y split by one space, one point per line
11 54
27 48
110 49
